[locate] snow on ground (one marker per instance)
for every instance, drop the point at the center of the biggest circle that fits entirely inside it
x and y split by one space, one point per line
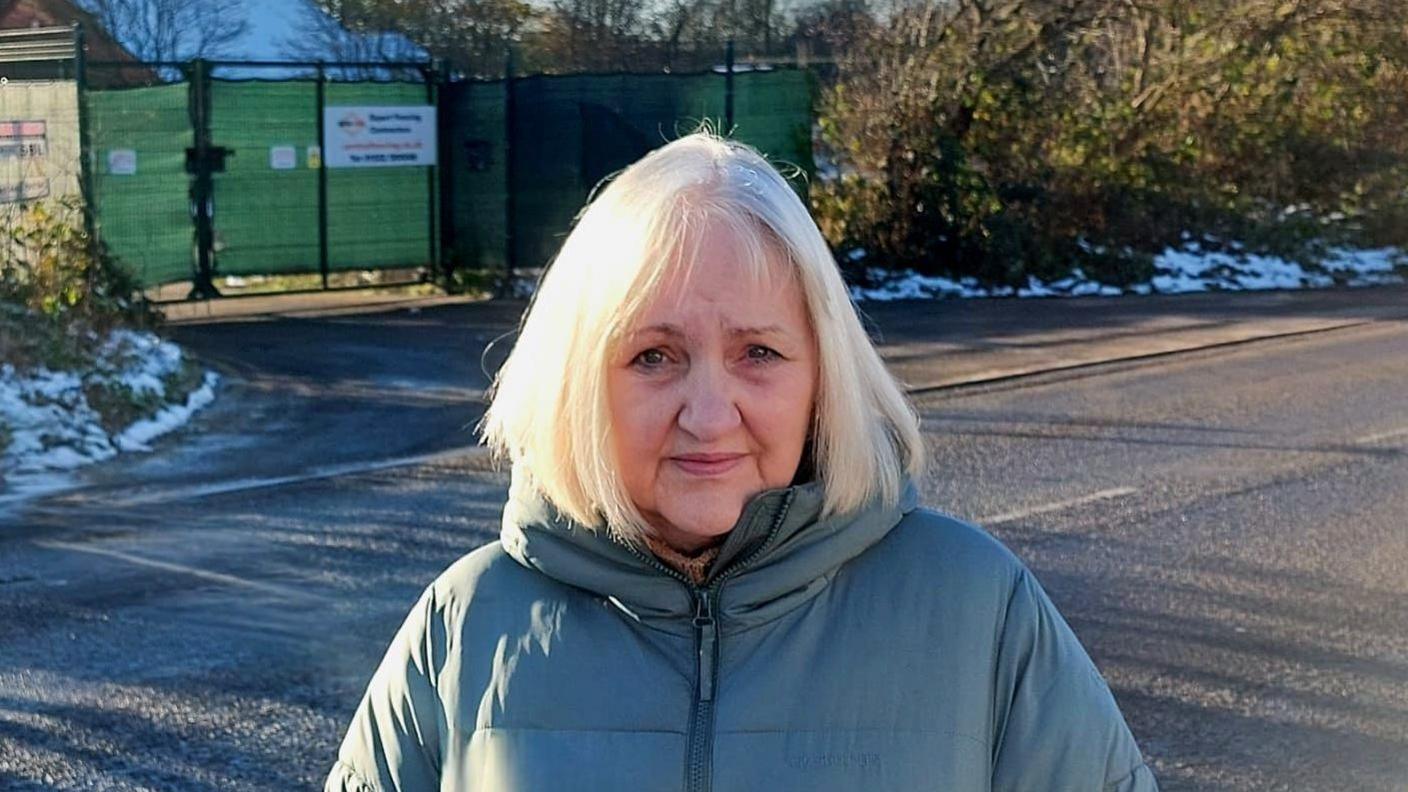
54 430
1189 269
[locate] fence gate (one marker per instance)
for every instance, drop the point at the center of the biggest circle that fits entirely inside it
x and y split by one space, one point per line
207 170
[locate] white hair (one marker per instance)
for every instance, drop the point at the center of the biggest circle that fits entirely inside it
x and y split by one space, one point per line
548 412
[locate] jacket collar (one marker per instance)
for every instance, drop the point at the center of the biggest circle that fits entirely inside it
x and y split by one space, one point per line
778 555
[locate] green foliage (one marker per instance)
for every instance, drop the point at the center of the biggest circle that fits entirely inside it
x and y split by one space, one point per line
60 289
180 383
29 339
51 265
468 280
118 405
1007 139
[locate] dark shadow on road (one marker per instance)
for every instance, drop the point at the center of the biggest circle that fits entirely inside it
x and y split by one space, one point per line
1002 320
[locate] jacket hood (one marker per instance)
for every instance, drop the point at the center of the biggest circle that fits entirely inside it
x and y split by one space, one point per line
779 554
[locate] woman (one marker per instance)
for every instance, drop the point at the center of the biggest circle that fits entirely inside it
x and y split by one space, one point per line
713 572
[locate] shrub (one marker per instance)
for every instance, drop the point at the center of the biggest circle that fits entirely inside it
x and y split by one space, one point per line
50 264
1006 139
60 290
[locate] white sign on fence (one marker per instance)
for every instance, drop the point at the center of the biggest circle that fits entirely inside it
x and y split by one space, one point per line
24 149
283 157
122 162
369 137
39 152
24 139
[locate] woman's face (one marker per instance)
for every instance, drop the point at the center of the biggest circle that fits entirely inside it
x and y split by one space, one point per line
711 397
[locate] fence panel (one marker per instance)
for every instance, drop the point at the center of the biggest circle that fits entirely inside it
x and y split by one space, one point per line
378 217
477 165
137 140
772 111
571 131
266 202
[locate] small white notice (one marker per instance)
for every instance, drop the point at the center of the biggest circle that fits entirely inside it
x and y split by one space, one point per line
122 162
283 157
371 137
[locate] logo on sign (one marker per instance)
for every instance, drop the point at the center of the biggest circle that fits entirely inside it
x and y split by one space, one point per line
352 124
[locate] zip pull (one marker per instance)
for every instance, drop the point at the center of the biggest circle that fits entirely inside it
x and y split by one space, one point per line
706 633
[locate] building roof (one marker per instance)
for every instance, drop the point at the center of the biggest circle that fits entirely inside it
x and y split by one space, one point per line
99 43
63 13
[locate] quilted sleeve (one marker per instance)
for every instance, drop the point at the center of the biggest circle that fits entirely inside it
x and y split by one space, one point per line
394 740
1057 726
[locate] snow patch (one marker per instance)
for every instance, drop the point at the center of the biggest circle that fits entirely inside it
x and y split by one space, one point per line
54 430
1185 269
1192 269
169 418
910 285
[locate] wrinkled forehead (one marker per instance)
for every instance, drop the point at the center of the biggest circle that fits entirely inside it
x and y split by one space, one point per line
743 251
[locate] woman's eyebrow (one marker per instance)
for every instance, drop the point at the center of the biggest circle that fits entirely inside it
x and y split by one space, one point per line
754 330
663 328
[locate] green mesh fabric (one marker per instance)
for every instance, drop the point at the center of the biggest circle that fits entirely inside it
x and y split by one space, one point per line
572 131
145 217
378 217
266 220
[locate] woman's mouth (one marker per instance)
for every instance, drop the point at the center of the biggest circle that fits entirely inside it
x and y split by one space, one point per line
707 464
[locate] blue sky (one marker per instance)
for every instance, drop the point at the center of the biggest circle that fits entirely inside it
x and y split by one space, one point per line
270 21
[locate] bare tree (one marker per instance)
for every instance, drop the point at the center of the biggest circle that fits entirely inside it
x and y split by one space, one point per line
320 37
173 30
470 34
593 34
830 28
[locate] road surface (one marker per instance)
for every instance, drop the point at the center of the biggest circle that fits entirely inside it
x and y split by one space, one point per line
1226 530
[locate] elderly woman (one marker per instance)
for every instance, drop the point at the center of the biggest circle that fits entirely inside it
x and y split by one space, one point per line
714 572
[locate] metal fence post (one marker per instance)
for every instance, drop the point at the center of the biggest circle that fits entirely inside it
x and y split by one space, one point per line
202 198
432 174
510 177
86 160
728 89
321 94
444 159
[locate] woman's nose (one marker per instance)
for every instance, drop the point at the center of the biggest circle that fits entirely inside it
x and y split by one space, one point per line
710 408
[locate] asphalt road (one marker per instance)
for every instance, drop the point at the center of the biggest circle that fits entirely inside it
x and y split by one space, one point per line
1227 532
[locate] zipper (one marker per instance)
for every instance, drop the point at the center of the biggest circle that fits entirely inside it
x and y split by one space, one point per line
701 734
706 639
700 741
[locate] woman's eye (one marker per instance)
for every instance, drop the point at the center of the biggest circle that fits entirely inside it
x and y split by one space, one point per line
757 352
649 358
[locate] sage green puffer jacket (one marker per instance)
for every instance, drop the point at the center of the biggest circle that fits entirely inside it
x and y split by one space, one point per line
889 649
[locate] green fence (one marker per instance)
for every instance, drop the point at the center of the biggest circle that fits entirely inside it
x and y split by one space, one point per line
517 160
571 131
137 143
266 220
